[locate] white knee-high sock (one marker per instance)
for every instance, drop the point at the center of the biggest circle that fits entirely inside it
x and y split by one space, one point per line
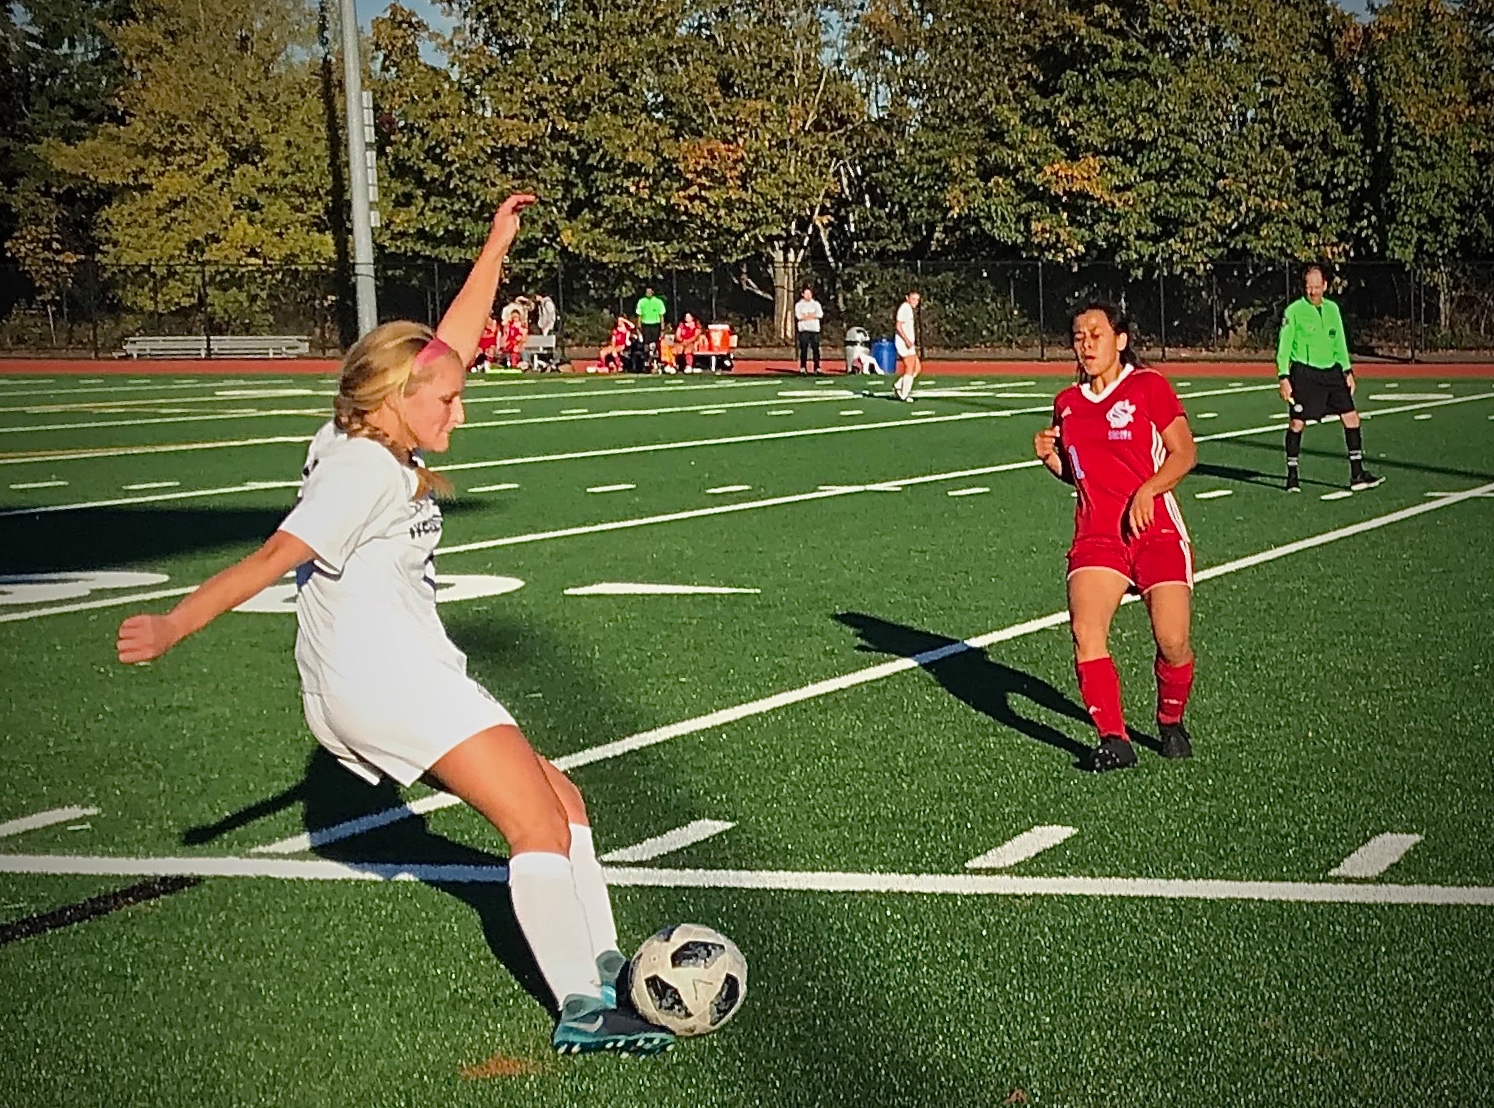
591 890
543 889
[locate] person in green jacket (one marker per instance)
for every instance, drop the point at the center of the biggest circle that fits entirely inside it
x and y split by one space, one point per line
1316 377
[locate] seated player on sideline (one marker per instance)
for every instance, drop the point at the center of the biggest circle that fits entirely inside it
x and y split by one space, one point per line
1121 438
688 334
383 688
611 355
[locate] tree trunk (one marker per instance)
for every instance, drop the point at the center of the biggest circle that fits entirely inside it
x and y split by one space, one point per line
785 260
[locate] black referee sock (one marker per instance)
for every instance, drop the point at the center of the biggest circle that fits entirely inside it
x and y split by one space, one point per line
1355 443
1294 448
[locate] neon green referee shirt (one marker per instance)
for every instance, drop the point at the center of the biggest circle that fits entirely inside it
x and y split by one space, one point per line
1313 336
650 310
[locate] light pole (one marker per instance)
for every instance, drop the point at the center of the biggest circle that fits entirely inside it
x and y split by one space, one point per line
360 165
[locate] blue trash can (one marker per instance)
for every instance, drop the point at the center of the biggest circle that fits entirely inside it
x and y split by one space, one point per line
884 353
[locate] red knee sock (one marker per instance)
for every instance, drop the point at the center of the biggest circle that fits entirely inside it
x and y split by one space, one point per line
1100 686
1174 683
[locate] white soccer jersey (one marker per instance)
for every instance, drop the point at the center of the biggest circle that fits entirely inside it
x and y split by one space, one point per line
907 340
366 607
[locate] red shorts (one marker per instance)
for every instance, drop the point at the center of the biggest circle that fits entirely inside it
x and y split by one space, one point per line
1161 556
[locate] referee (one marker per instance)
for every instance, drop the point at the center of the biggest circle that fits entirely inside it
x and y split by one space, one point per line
1312 366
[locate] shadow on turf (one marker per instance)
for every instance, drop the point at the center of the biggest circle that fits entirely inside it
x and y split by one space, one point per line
95 538
985 685
1376 462
329 794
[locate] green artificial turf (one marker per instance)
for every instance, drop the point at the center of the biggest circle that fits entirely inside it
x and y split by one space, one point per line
1343 692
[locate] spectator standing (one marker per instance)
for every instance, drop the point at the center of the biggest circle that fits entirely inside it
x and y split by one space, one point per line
807 317
545 316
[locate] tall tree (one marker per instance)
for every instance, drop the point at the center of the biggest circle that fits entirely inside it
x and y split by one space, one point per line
219 154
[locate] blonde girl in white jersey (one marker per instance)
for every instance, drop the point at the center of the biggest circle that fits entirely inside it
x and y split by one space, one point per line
384 689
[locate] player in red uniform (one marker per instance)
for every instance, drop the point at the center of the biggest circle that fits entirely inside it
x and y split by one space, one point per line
1121 438
687 337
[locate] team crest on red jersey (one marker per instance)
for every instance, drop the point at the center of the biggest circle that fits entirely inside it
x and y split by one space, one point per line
1120 414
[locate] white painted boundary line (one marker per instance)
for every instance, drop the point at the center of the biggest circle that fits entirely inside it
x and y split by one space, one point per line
1029 844
306 840
85 453
50 817
959 884
488 544
166 448
204 417
188 494
816 689
656 847
107 602
1375 856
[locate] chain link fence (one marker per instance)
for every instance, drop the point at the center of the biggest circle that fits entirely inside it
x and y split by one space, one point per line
1000 309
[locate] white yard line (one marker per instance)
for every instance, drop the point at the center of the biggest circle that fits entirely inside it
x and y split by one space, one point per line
205 417
868 674
624 487
1029 844
503 486
957 884
48 818
186 494
40 485
296 844
1213 494
694 832
1375 856
85 453
89 605
144 485
973 490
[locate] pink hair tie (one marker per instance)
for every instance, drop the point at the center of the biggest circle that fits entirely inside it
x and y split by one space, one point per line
433 351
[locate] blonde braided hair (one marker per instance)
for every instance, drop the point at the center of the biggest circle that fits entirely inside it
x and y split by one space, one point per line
380 364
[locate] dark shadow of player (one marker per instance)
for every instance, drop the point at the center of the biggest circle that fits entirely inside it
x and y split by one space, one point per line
972 677
329 795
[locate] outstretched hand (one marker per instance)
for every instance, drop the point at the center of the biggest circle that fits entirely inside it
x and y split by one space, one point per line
145 638
506 220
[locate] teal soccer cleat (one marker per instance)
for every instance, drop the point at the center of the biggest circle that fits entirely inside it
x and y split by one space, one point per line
587 1026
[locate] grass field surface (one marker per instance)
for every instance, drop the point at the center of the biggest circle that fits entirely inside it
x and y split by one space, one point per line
868 727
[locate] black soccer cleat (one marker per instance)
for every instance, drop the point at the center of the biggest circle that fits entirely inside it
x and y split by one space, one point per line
1176 742
1364 479
1294 483
1112 753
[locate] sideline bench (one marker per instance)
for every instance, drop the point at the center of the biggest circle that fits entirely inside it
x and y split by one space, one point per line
538 352
223 346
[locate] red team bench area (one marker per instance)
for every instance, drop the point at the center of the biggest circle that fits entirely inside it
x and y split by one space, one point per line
747 366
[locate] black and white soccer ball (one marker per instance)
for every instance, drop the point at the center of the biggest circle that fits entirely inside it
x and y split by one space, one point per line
688 979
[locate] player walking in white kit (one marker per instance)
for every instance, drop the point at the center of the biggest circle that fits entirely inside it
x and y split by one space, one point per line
905 338
384 689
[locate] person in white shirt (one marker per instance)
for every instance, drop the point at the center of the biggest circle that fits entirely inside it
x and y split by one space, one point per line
905 337
383 687
807 317
545 316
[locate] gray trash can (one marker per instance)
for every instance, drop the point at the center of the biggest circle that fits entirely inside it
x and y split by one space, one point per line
858 349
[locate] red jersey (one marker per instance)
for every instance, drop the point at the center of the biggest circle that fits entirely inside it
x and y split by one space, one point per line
1112 442
621 336
686 332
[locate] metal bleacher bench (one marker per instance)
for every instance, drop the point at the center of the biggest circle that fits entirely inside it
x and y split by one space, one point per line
223 346
538 350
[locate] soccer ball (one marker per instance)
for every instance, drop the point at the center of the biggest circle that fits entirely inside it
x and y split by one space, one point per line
688 979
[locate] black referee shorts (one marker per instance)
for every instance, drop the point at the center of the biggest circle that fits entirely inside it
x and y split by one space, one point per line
1318 392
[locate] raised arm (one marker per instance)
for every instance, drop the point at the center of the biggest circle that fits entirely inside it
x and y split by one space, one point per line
461 327
144 637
